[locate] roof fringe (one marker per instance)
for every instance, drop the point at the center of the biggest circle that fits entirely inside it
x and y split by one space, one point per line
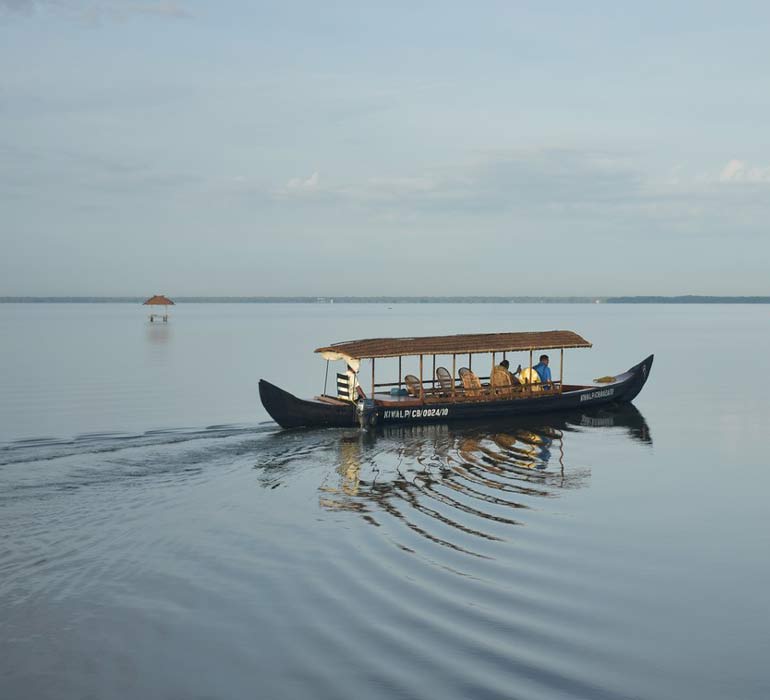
457 344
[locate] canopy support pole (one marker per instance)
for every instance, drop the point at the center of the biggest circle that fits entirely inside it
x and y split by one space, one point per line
454 374
470 366
530 371
372 396
433 376
399 373
422 387
326 376
561 372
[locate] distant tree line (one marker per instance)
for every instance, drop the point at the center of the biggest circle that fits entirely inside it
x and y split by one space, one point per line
686 299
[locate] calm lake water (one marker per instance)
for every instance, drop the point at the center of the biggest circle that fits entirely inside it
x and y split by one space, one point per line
161 538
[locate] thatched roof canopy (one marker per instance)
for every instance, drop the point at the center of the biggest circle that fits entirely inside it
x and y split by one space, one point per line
158 300
454 344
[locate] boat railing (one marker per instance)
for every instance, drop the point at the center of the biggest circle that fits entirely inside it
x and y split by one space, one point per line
432 382
458 383
435 394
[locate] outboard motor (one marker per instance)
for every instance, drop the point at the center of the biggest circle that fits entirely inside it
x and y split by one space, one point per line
366 412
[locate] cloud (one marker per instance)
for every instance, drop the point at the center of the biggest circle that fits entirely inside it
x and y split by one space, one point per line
731 170
606 191
494 181
75 177
301 186
160 9
740 171
96 10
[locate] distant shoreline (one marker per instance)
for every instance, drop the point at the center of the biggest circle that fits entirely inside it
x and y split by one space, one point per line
686 299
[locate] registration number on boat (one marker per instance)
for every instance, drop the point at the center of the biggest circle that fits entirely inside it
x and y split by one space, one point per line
416 413
600 394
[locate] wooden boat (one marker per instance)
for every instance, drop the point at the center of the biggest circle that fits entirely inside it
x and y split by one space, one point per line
460 395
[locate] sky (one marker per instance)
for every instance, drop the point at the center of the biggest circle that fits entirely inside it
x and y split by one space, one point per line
399 148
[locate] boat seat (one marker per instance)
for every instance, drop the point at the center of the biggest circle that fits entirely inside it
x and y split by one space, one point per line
471 383
445 380
413 385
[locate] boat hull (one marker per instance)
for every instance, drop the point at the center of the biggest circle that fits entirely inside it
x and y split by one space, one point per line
291 412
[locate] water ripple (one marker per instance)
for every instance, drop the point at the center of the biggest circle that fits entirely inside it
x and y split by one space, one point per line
412 562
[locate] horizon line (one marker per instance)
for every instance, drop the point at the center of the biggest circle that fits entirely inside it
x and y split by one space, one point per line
393 299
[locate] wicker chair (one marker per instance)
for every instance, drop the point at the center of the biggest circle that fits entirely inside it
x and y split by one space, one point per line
471 383
501 382
413 385
445 380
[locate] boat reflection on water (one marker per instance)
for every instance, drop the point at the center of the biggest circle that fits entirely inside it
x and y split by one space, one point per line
627 416
458 474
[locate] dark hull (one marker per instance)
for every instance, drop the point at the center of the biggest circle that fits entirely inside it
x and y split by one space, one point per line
615 415
290 412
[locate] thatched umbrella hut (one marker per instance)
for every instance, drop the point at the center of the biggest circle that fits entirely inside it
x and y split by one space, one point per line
159 300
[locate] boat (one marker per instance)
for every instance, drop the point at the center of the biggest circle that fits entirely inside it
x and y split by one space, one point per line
448 396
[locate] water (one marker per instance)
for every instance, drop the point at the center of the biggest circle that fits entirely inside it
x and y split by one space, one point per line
160 538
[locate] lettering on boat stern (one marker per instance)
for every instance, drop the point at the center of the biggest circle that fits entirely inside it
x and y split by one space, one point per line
598 394
415 413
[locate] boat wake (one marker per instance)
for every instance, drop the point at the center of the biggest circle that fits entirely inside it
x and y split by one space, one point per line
41 466
51 448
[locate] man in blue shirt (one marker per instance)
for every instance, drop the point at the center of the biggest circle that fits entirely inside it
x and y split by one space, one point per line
544 372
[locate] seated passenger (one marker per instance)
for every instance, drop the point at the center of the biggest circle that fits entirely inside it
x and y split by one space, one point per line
544 372
514 375
529 377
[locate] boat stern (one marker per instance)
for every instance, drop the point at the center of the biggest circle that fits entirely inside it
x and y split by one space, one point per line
291 412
